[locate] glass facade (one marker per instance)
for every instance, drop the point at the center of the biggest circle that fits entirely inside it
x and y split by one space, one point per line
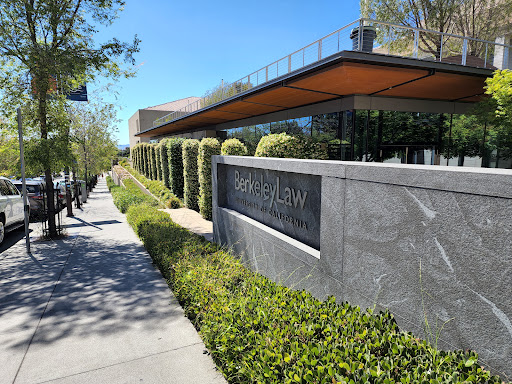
396 137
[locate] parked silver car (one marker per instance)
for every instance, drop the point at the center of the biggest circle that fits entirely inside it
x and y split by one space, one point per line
11 207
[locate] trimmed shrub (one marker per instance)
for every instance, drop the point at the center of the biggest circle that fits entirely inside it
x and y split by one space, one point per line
233 147
158 166
150 161
140 215
145 159
164 162
135 157
141 159
135 154
175 158
190 149
173 203
207 148
153 162
132 156
284 145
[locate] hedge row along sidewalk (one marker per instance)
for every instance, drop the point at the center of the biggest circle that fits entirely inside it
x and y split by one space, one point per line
258 331
156 187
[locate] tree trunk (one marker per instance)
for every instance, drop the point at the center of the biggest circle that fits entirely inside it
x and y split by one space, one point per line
85 170
52 227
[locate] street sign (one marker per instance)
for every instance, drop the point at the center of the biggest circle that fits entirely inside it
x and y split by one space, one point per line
79 94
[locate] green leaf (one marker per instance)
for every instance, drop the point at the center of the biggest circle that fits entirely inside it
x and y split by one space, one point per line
469 362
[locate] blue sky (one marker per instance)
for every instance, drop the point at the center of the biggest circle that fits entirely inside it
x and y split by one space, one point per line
189 46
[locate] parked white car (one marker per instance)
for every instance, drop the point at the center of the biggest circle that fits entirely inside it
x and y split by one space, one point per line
11 207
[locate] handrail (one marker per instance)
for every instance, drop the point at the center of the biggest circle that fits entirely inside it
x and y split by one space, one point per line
321 49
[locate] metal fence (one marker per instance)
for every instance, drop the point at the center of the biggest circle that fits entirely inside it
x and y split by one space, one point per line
366 35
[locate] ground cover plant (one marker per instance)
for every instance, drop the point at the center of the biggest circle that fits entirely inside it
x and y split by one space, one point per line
156 187
128 196
260 332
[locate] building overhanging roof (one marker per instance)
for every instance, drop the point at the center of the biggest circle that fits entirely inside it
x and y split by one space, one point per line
343 74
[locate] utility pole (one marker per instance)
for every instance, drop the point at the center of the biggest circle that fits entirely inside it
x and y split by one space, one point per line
23 181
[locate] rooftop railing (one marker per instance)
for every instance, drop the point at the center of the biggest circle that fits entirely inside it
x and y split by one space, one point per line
371 36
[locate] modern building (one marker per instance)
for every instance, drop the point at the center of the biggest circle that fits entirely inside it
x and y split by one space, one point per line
370 91
143 119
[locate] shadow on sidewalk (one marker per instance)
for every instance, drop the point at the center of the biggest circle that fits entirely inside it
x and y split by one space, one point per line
107 286
11 239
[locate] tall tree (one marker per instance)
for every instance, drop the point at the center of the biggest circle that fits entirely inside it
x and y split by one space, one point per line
92 132
47 47
480 19
499 107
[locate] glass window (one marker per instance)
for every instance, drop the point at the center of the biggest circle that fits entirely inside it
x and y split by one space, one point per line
30 188
14 190
4 188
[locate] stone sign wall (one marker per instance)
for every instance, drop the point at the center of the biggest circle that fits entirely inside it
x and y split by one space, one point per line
285 201
426 242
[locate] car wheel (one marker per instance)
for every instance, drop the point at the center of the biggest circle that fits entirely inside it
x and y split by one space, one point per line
2 232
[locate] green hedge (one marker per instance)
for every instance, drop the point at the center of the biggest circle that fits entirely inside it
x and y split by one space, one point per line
233 147
142 160
284 145
143 214
128 196
150 161
156 187
164 162
153 162
175 158
207 148
145 159
158 164
135 156
133 150
190 175
110 183
261 332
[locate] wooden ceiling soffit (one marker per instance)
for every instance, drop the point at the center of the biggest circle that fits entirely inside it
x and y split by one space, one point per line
288 97
202 119
440 86
155 132
250 108
357 78
226 116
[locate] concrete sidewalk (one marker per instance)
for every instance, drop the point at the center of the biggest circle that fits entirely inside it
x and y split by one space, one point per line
192 220
92 309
